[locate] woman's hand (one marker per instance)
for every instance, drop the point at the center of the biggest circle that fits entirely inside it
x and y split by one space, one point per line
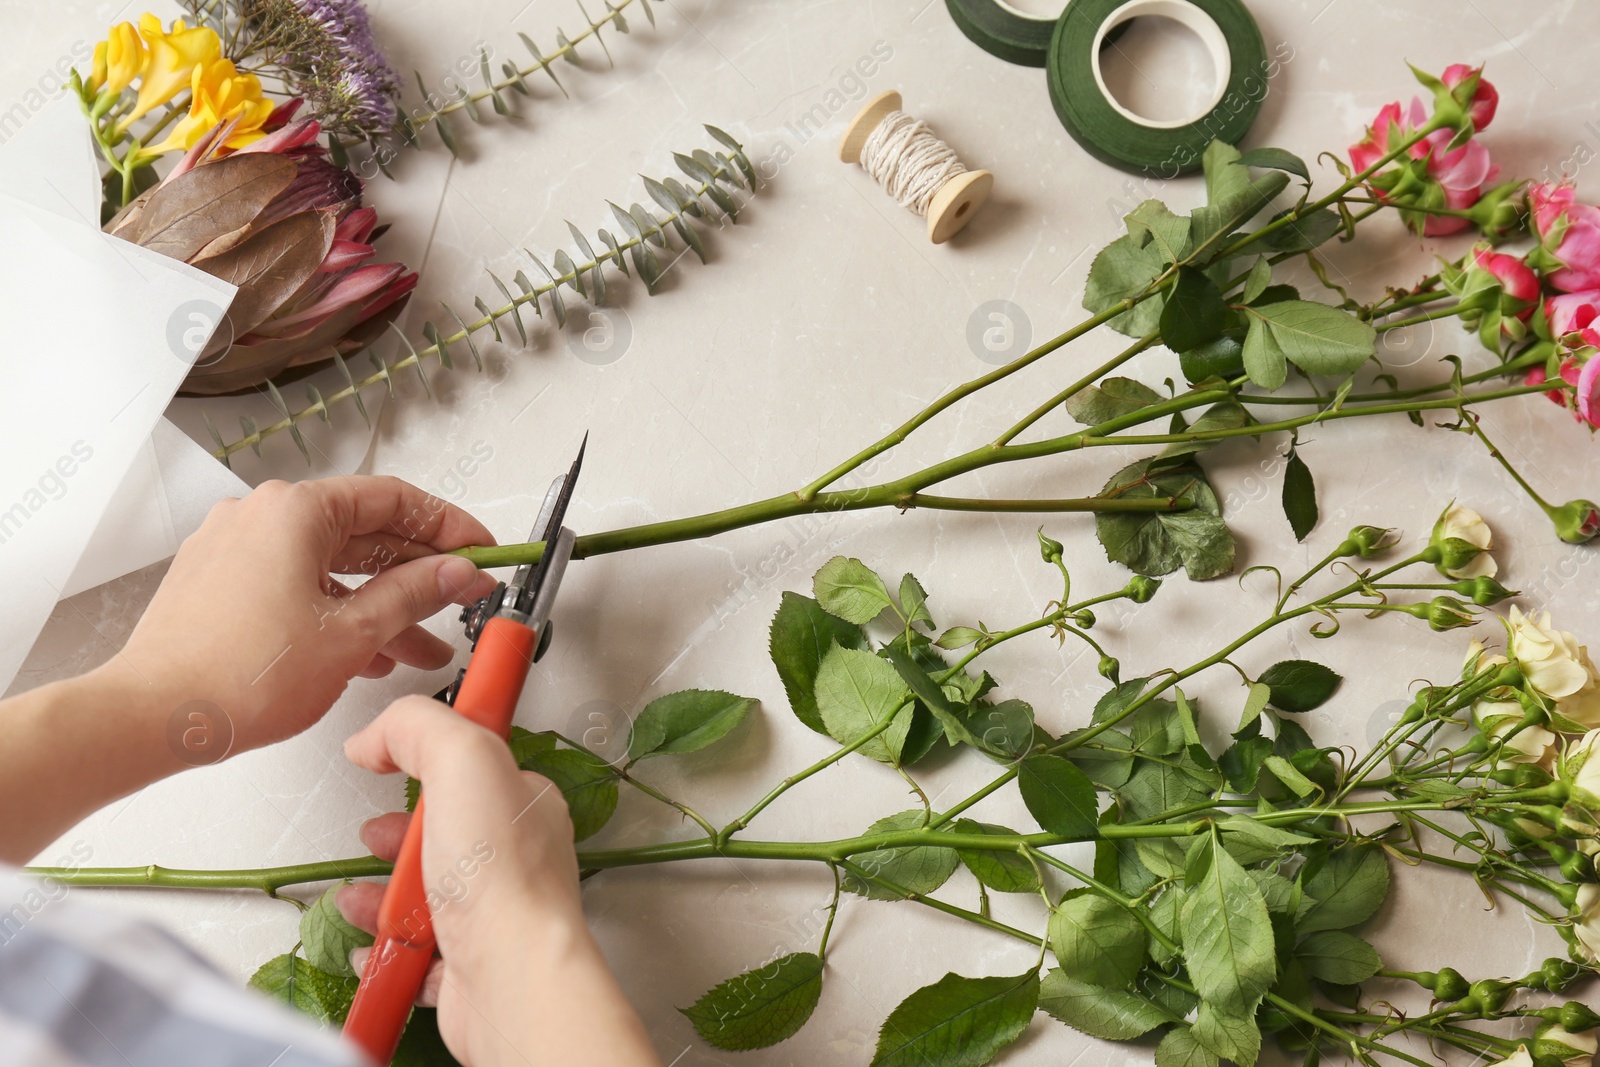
251 620
249 640
520 980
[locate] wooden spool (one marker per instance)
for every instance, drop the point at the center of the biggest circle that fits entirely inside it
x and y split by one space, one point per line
954 204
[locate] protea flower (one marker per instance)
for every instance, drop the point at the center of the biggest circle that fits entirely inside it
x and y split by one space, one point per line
279 220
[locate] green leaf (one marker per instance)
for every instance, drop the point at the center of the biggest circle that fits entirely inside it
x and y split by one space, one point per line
1125 268
1276 159
1231 1035
1232 196
932 696
759 1008
290 980
849 589
1289 775
958 637
1337 957
1195 312
1298 685
916 869
1223 415
1317 338
1159 543
328 937
1100 759
857 691
801 635
1159 785
1347 888
1096 940
1005 731
524 743
1251 842
1111 399
1222 358
1004 872
1060 797
588 783
914 600
1299 496
1259 278
1180 1048
1302 235
421 1045
1227 935
1109 1014
957 1022
686 721
1169 233
1276 890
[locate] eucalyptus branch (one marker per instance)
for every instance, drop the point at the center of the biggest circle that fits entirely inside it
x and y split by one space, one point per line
582 275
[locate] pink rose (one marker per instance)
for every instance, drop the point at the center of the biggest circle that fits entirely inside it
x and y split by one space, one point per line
1571 312
1484 100
1570 231
1588 383
1583 376
1517 280
1375 145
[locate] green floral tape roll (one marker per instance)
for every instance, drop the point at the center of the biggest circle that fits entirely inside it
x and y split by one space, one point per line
1001 30
1113 134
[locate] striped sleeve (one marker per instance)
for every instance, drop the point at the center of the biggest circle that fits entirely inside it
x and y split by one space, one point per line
81 987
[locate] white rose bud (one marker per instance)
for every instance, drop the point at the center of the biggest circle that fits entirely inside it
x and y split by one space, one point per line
1557 666
1462 524
1586 921
1501 720
1519 1058
1579 1051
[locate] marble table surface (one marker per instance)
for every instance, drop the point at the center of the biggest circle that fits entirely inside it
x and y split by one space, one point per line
823 319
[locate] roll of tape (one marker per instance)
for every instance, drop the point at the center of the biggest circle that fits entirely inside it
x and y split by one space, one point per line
1113 134
1001 30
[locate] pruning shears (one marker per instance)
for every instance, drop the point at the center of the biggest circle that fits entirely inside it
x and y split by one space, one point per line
509 630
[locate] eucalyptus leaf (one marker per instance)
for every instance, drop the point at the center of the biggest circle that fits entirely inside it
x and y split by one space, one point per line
957 1022
686 722
759 1008
1109 1014
801 635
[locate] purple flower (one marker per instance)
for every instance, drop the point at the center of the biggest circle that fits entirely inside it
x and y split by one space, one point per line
354 62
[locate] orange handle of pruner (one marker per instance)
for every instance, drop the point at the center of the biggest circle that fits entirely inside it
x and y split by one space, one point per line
404 946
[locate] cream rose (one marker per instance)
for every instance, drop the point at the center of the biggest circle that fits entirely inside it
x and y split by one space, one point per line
1586 921
1500 721
1557 666
1463 524
1519 1058
1583 1045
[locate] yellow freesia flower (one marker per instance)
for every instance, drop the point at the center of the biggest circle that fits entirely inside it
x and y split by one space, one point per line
221 94
118 59
174 56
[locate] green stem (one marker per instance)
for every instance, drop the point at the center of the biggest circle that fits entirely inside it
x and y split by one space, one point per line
1078 386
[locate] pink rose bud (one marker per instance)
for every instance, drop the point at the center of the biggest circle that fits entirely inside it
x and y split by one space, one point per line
1485 98
1569 233
1516 278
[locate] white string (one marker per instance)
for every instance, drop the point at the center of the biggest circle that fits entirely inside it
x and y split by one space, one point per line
911 164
